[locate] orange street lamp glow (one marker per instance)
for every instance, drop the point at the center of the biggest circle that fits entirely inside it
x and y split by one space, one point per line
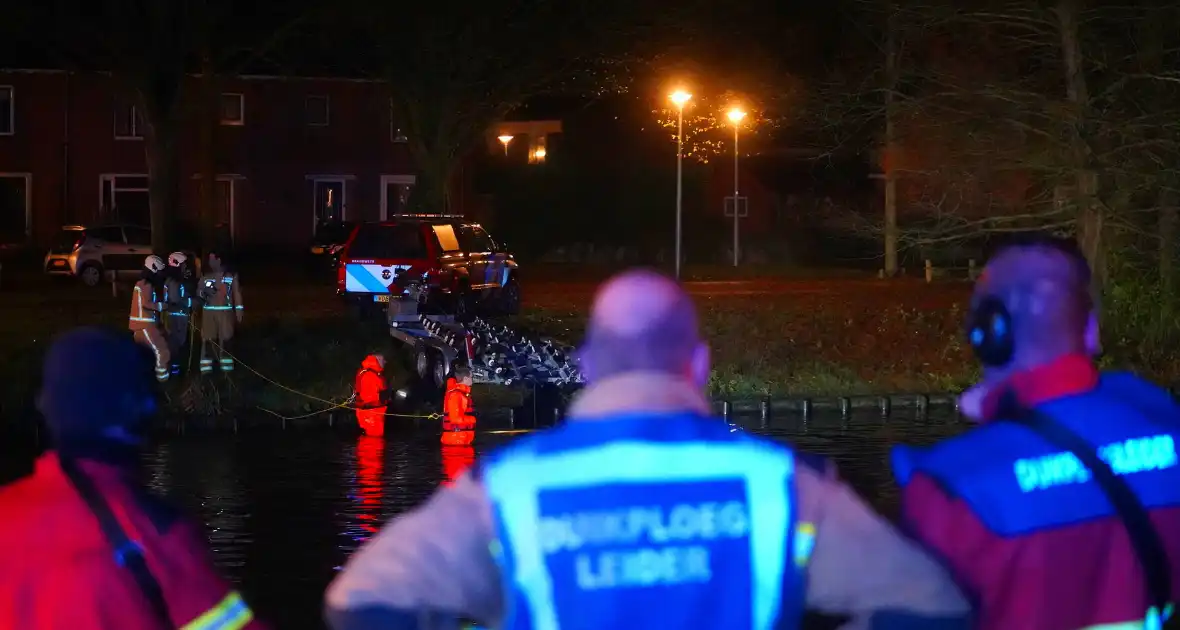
736 115
680 97
504 140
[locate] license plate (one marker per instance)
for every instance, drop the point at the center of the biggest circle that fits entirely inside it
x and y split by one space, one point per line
59 263
381 298
317 250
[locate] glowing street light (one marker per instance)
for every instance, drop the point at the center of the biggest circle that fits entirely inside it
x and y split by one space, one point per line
735 116
680 98
504 140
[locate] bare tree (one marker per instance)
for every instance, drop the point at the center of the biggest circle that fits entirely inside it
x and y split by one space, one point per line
708 132
1054 131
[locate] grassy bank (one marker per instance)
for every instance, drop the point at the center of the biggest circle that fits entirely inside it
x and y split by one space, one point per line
788 346
298 351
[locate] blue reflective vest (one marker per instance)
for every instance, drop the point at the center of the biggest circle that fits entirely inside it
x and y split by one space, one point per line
647 522
1016 483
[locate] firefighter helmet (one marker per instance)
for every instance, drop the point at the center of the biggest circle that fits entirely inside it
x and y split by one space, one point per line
176 259
153 263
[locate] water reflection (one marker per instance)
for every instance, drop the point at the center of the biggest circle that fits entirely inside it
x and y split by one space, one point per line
367 486
455 460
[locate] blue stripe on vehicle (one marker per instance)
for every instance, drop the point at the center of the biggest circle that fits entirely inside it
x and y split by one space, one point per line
367 280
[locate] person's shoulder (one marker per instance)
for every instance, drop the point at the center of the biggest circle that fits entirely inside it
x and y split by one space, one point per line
978 447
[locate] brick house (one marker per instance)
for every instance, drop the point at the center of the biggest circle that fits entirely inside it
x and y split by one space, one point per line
289 151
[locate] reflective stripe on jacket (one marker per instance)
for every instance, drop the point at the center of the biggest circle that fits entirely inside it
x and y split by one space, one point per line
177 298
62 574
145 306
225 294
642 523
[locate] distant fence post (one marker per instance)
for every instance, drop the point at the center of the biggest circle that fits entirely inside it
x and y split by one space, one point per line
114 286
971 269
929 271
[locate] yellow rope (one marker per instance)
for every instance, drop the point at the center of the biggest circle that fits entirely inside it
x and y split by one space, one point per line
332 405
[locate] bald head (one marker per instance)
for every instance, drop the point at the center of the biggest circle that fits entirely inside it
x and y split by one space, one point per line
1045 284
642 321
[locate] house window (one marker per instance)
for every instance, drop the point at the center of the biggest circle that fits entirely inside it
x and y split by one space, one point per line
233 109
128 122
395 132
124 198
317 111
7 111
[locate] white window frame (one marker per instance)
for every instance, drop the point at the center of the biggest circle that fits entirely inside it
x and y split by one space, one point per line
241 110
327 110
11 110
113 178
386 180
135 116
28 177
343 181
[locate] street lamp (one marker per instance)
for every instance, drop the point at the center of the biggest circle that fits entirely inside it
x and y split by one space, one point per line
504 140
735 116
679 98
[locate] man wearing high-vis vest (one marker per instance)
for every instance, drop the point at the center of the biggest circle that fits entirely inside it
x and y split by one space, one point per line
643 511
221 312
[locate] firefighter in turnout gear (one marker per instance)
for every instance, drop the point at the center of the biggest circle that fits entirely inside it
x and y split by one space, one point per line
221 312
178 301
144 320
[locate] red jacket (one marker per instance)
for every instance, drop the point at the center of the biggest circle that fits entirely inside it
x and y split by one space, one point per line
1069 578
59 572
370 383
457 406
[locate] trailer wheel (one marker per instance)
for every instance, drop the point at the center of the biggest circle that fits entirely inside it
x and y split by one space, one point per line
440 372
423 363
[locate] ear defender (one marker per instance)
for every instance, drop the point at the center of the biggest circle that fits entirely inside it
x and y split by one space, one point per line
989 331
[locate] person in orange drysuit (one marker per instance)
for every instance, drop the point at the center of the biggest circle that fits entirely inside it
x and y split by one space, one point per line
458 423
372 396
85 545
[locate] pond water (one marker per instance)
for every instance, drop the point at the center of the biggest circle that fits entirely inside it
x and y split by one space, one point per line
284 509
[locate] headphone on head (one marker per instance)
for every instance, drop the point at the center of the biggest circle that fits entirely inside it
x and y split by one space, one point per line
989 331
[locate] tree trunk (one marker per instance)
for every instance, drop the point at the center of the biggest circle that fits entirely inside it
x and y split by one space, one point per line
208 117
888 162
432 185
1090 219
163 166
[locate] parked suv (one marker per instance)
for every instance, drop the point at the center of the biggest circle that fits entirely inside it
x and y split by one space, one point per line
455 266
86 252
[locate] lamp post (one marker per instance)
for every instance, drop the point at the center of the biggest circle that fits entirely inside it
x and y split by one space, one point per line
735 116
679 98
504 140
